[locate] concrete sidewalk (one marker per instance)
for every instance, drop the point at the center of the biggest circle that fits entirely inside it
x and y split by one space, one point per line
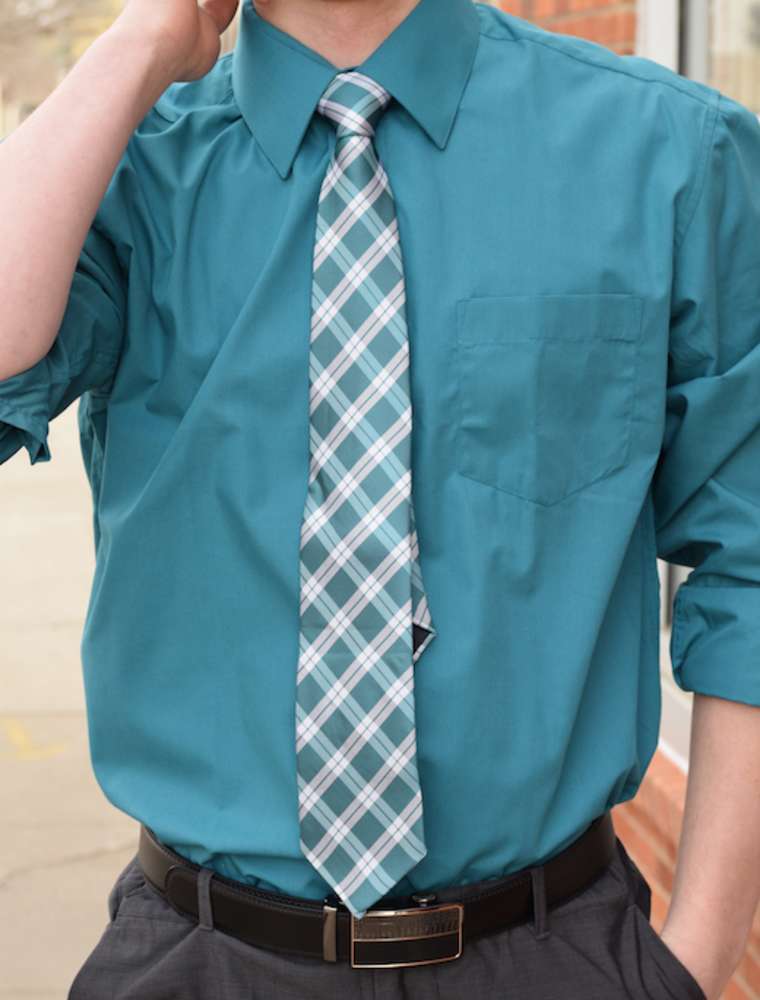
61 844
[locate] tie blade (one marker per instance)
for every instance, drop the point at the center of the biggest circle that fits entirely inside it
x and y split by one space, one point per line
362 599
365 863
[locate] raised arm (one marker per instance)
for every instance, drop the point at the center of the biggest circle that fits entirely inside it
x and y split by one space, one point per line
55 168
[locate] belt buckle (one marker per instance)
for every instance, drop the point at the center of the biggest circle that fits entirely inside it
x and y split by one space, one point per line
397 939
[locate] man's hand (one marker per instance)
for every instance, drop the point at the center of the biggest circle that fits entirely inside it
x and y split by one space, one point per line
718 874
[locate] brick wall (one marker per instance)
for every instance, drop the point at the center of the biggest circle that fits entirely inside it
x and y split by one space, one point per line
650 828
610 24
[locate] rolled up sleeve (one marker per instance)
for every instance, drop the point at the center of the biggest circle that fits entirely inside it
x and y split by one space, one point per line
707 490
83 357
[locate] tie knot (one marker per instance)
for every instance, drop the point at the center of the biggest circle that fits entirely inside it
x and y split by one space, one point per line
354 103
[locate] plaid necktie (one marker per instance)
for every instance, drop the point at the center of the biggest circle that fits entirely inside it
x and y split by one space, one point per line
363 608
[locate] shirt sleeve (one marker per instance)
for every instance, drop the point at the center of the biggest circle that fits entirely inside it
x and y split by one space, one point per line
83 357
707 490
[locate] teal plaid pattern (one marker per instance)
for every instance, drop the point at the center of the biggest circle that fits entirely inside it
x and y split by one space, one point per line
362 600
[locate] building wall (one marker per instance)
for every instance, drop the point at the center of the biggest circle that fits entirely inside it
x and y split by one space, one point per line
609 24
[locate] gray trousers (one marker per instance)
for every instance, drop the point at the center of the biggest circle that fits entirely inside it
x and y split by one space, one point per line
599 946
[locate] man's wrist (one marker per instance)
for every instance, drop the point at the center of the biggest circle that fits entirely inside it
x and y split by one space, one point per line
708 956
147 61
173 42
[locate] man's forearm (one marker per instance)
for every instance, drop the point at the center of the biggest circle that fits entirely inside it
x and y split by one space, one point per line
55 168
718 874
53 174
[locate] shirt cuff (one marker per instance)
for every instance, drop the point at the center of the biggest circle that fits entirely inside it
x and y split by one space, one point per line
716 642
21 430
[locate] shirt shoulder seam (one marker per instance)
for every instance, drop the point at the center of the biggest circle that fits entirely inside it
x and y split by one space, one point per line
700 179
621 70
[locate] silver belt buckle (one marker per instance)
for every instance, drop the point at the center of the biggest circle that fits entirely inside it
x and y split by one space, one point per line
397 939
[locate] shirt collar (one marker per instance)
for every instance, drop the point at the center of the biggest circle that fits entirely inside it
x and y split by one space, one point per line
424 64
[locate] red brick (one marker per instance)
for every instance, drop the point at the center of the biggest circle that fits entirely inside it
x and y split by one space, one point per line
610 24
749 971
737 990
660 904
642 843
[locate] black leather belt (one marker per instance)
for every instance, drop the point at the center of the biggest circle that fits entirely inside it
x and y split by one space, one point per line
415 930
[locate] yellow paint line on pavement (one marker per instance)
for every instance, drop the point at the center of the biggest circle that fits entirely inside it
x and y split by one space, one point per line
24 747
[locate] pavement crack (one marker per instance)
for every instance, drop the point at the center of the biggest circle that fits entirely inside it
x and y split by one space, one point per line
114 847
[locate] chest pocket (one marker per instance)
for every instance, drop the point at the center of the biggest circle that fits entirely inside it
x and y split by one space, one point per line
546 390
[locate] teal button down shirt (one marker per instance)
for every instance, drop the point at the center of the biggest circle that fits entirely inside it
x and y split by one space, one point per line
581 242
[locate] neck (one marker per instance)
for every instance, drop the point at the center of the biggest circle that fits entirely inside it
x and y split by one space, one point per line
345 32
